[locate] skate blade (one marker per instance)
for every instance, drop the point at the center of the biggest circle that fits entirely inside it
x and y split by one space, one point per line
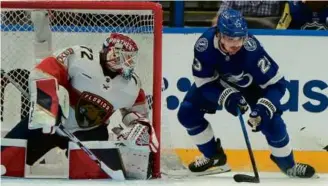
315 176
178 174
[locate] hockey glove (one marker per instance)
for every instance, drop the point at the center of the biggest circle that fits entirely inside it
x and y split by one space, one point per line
139 130
232 99
262 113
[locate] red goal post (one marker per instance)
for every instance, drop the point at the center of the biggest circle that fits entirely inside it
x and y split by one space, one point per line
156 51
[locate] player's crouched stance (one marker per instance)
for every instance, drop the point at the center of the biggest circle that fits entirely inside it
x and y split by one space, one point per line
232 70
76 89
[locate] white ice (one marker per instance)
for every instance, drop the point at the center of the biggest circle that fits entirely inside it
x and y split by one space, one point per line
267 179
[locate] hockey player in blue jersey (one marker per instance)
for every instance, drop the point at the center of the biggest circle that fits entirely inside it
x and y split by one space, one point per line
231 69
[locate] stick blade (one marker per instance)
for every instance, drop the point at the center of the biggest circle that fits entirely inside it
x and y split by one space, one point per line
246 178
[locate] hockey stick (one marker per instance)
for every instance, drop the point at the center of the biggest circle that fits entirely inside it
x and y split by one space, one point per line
244 177
116 175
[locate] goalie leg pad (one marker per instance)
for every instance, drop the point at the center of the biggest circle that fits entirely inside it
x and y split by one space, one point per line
13 154
37 143
136 162
82 167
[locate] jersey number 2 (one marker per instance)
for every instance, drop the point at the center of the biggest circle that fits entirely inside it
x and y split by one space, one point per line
87 52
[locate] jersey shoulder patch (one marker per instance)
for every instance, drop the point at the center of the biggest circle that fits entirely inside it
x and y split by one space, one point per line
250 44
201 44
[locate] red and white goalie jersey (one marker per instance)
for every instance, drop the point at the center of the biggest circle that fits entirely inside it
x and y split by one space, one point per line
93 96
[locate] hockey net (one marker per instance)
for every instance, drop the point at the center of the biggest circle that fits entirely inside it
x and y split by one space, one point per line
78 23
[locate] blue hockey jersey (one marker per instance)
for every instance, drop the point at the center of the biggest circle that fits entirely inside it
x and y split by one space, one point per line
251 70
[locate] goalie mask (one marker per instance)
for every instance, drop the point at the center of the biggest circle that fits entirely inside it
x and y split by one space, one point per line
118 54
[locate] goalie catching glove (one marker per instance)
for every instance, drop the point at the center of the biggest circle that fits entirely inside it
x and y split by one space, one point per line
49 105
138 130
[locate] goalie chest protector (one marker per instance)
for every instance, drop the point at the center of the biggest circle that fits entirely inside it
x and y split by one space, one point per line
93 96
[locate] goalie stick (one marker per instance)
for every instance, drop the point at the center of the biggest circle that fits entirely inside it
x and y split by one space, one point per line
116 175
244 177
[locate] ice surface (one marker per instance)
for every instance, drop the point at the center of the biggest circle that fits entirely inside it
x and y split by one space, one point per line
267 179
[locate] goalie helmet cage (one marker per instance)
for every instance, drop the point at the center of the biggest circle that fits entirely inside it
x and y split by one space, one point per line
84 23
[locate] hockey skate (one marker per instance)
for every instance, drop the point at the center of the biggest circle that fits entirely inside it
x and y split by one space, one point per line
299 170
214 165
201 166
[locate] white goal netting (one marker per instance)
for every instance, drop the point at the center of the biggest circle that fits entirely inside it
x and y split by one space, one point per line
68 27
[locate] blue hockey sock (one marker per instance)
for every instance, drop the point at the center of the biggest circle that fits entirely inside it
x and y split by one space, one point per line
284 163
203 137
282 153
209 149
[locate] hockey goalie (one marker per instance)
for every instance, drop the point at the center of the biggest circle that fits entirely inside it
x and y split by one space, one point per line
80 90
